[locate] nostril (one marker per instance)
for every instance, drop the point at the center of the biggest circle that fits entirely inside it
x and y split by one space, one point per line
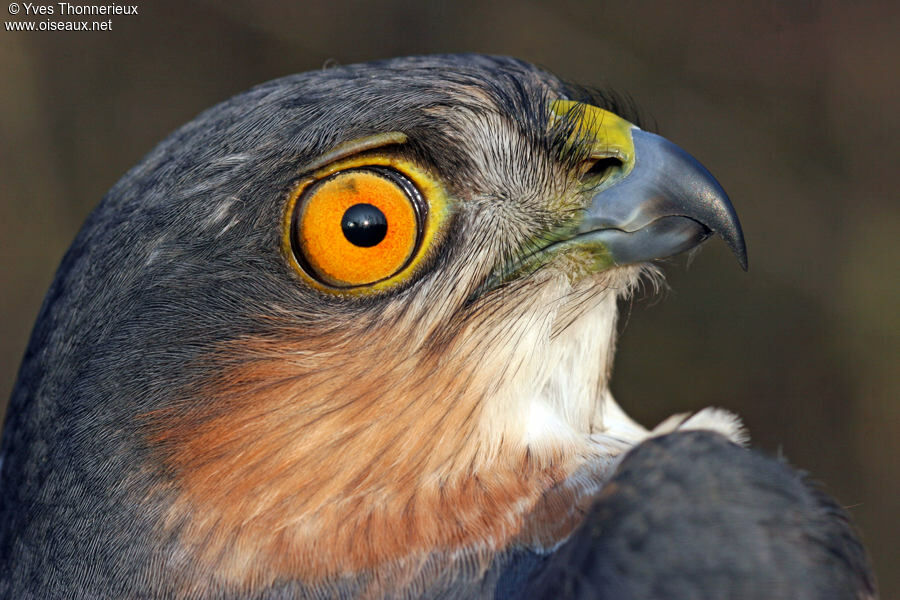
601 167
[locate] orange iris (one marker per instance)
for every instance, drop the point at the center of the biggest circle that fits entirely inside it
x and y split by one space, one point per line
327 247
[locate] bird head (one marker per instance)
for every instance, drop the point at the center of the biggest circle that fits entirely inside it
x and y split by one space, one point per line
360 316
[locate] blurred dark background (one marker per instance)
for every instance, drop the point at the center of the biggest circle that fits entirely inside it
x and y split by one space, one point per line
795 106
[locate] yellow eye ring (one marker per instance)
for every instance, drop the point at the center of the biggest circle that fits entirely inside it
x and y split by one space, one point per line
363 225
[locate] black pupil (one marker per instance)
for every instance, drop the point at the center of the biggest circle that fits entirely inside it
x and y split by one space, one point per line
364 225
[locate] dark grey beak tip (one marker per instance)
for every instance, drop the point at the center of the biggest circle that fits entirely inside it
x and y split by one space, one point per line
729 227
741 254
702 196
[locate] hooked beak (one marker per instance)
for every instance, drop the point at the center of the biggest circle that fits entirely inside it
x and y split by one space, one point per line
659 203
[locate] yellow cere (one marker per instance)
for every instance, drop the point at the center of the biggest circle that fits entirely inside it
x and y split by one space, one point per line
610 132
316 208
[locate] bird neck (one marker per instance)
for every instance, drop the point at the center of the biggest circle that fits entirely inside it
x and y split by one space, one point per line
319 461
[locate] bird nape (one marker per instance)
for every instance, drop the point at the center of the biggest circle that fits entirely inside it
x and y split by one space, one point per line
350 334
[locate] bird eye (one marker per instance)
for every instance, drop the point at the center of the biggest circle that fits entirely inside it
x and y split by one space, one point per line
358 226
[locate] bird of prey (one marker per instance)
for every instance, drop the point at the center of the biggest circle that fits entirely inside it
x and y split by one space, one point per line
350 334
